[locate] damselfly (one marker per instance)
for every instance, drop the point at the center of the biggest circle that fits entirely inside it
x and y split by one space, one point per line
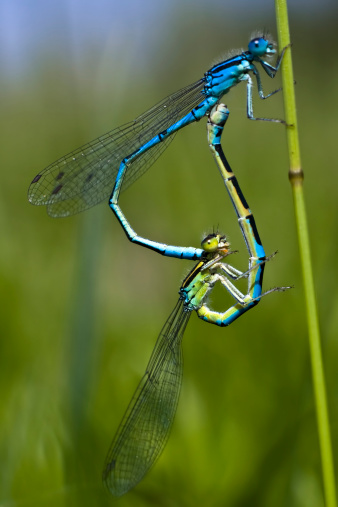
112 162
146 424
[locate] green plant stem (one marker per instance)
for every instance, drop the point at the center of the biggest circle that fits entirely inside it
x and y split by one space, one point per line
296 179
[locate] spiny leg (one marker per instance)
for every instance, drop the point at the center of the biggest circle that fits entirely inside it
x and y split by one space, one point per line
249 101
271 71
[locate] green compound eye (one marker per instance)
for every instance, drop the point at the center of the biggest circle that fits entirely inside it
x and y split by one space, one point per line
210 243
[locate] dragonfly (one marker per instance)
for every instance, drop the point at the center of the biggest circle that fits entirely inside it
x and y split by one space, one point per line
144 429
111 163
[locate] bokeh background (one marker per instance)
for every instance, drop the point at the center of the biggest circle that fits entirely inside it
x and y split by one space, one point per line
81 307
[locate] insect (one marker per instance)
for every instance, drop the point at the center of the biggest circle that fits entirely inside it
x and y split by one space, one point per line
145 427
111 163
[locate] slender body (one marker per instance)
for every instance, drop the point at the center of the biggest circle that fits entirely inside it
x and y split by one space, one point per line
146 424
112 162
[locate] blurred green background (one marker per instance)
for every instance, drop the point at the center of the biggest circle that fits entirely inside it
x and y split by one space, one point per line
81 307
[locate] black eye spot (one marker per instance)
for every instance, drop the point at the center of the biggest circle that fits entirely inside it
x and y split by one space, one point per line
60 176
57 189
36 179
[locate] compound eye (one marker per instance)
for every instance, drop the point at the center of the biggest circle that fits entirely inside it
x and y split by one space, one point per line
210 243
258 46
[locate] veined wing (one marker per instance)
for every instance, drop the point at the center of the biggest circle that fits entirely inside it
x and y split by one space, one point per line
86 176
146 424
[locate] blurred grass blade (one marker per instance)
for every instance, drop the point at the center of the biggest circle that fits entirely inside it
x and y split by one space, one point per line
296 177
82 352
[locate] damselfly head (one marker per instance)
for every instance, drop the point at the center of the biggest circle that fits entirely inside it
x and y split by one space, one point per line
214 243
261 44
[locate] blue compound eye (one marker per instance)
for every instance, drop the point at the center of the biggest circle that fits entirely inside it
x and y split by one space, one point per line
259 46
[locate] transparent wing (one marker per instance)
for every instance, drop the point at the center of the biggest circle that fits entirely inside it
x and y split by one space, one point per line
145 427
86 176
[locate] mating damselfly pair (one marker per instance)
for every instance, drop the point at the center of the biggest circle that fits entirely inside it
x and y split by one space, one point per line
110 164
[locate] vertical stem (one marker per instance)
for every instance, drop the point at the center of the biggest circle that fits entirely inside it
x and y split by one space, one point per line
296 179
